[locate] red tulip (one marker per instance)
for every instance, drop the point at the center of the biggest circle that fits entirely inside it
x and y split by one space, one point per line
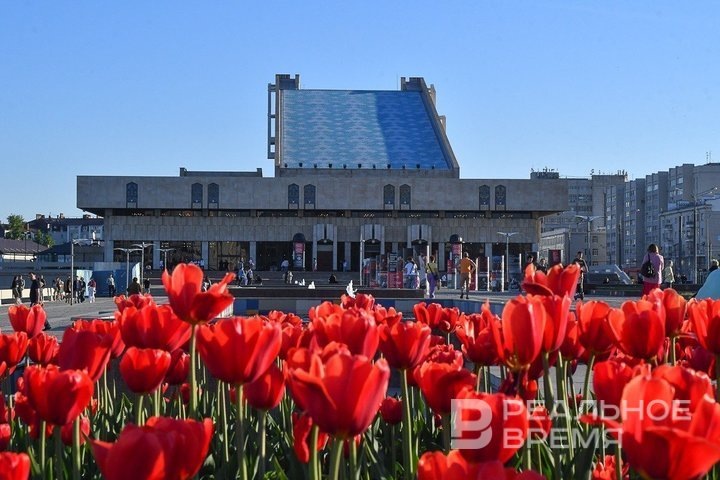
57 396
284 318
437 317
108 329
170 449
675 307
594 332
240 349
5 434
302 424
441 382
436 465
639 328
404 344
29 320
266 392
144 369
559 280
520 340
505 422
137 301
14 466
539 422
43 349
179 369
354 327
84 350
67 431
571 348
12 350
343 393
476 335
291 337
609 380
558 309
606 470
153 327
391 410
705 318
661 436
188 301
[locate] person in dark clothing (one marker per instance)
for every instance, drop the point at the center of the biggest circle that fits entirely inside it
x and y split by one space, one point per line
580 261
134 288
146 284
34 289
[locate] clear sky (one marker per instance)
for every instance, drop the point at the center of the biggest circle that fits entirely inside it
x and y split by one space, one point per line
138 87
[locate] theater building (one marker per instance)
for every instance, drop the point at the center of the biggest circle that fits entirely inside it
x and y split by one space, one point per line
357 174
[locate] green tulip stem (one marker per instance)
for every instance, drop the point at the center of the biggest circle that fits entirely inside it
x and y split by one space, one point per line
240 431
43 442
59 453
222 406
618 463
139 417
336 458
262 442
157 402
407 428
77 460
446 426
547 384
314 466
193 373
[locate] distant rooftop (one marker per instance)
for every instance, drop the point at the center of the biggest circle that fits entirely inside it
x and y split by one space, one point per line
362 129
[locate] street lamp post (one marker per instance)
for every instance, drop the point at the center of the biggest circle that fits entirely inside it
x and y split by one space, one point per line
127 263
507 236
142 246
165 251
695 230
588 219
74 242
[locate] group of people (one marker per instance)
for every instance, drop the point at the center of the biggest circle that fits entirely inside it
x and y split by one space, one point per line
70 291
244 273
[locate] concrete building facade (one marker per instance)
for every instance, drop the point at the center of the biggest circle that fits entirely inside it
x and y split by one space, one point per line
358 174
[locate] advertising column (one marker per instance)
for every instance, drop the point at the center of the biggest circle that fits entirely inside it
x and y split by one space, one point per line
299 251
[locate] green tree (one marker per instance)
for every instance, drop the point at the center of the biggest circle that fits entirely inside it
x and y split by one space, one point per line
44 238
16 227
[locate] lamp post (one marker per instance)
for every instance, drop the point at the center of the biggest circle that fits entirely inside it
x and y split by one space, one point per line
588 219
695 229
507 236
74 242
142 246
165 251
127 263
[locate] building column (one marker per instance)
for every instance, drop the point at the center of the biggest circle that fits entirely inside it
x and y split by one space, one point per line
253 252
347 255
205 253
441 256
156 254
109 250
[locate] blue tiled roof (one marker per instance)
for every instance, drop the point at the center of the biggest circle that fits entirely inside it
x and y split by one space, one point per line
344 128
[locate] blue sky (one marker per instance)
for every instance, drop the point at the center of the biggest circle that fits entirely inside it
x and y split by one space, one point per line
115 88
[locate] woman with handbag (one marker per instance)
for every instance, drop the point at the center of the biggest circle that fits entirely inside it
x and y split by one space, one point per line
432 274
651 269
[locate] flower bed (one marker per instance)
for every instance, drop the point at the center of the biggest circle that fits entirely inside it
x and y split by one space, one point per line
273 397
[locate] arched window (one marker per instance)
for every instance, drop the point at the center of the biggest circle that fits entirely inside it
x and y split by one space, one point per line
213 195
405 196
293 195
196 195
389 196
484 197
500 196
131 195
309 196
